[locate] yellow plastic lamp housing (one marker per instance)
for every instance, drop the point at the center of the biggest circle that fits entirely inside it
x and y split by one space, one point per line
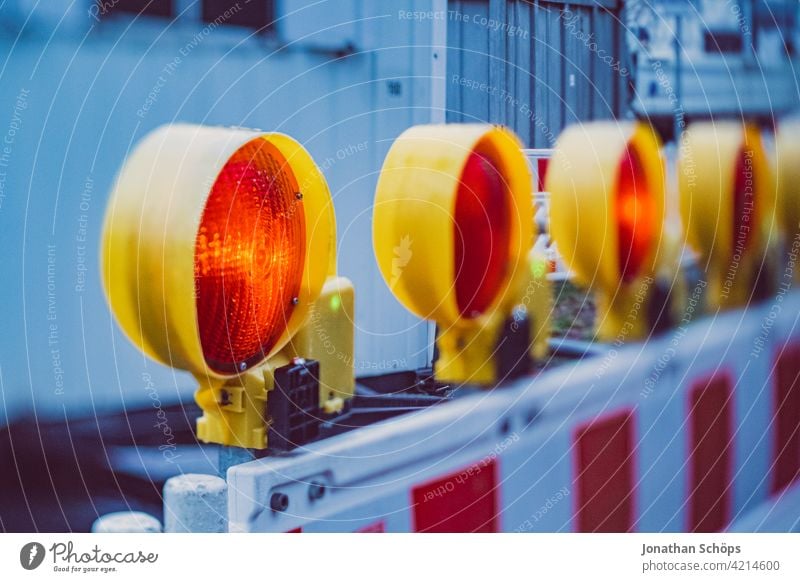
452 229
787 151
727 200
606 183
208 262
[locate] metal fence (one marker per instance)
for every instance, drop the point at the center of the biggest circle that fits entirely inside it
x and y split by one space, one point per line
535 66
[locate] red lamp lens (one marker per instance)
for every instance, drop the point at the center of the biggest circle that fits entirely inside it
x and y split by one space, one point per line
249 256
743 203
634 216
482 235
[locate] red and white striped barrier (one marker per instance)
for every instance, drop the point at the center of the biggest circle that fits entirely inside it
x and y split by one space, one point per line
690 431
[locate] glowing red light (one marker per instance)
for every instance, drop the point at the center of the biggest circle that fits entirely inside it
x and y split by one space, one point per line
482 235
743 203
634 216
249 255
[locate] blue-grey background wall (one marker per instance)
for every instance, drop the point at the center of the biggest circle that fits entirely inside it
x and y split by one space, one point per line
344 78
80 83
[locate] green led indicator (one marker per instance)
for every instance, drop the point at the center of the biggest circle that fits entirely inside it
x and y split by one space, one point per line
336 302
538 268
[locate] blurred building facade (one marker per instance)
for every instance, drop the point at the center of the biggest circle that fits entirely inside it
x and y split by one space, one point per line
82 81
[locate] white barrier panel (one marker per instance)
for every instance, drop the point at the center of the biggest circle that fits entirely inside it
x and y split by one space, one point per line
363 471
680 433
778 514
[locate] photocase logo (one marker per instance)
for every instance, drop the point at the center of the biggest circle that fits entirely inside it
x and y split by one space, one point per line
31 555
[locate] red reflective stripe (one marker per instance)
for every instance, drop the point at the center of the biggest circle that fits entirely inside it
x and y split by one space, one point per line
786 419
296 530
541 173
743 203
461 502
377 527
604 476
710 453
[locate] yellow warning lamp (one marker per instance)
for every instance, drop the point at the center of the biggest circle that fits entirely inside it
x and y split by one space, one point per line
787 151
218 257
727 199
606 183
453 232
